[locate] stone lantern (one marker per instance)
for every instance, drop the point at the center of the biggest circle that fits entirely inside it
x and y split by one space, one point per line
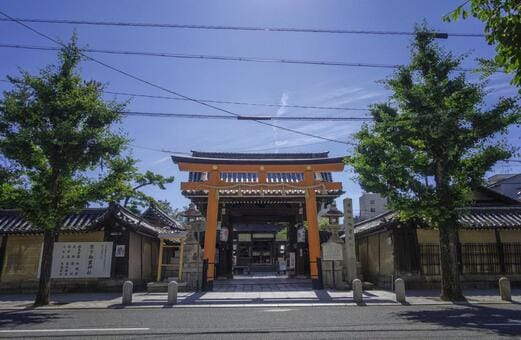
332 251
333 215
192 261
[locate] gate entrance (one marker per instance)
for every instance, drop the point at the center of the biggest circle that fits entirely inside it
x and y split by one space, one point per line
261 210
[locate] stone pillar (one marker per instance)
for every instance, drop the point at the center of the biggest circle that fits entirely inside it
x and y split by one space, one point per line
128 288
172 293
357 291
504 289
399 289
349 241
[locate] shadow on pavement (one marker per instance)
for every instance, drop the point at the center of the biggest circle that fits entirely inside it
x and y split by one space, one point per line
500 321
25 317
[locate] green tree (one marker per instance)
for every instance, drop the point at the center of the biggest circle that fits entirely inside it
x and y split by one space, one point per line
55 128
502 20
131 192
430 146
167 208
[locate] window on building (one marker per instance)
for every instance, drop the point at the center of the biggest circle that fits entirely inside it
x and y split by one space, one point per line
371 202
372 210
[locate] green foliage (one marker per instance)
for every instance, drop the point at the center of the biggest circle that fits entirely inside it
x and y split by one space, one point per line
502 20
323 223
167 208
432 143
55 129
131 189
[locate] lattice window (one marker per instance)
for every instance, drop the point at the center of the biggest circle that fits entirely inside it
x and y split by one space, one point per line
480 258
430 259
512 252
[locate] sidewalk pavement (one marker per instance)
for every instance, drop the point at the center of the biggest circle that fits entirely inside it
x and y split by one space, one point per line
302 298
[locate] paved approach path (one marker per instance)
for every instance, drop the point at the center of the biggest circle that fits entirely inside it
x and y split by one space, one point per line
290 298
261 283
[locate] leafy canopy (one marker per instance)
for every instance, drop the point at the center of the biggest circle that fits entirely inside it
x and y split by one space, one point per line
130 190
55 131
502 20
430 145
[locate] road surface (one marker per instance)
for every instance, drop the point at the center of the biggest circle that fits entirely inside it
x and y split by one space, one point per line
462 321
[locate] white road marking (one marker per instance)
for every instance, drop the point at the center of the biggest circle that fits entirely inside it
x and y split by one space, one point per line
72 330
278 310
501 324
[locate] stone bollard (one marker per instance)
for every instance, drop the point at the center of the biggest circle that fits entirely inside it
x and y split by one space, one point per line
172 293
504 289
128 287
399 289
357 291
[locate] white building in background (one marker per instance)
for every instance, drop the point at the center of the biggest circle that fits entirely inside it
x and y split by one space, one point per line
506 184
372 205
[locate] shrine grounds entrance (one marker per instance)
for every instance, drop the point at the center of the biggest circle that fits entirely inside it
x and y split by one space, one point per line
260 239
262 283
261 211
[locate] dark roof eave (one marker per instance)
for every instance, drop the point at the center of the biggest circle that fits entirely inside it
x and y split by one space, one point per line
296 161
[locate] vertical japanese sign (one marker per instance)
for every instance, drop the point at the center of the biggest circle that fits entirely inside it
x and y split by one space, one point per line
81 259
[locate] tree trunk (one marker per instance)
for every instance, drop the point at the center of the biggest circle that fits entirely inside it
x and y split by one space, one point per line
450 266
44 288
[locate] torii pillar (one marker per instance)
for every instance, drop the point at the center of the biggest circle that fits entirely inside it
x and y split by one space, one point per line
210 235
313 233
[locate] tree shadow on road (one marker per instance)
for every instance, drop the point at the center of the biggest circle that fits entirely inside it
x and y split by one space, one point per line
14 318
502 321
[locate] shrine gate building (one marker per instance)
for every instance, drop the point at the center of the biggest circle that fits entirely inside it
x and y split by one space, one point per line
261 210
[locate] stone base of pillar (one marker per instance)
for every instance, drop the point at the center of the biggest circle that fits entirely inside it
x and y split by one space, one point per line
332 275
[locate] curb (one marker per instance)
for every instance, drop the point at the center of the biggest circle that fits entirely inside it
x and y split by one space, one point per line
267 305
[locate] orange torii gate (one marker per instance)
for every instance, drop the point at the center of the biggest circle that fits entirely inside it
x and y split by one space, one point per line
213 185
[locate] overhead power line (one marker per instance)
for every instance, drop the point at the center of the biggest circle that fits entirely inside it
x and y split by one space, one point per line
144 81
317 107
243 103
254 118
221 58
236 28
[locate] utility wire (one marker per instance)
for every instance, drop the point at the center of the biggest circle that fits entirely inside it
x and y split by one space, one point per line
144 81
254 118
232 28
222 58
232 102
242 103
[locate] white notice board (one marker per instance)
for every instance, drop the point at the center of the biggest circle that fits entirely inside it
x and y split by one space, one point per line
81 259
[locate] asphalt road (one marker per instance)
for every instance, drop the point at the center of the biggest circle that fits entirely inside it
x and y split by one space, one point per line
485 321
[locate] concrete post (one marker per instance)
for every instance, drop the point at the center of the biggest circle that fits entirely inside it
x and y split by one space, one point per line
349 244
357 291
172 293
128 287
504 289
399 289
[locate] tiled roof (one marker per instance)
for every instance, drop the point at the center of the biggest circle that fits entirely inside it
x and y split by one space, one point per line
155 215
505 217
12 222
239 155
257 158
493 217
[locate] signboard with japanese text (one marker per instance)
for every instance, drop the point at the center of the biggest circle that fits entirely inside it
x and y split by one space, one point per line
81 259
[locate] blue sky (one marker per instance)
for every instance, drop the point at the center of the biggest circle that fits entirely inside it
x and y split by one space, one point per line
236 81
